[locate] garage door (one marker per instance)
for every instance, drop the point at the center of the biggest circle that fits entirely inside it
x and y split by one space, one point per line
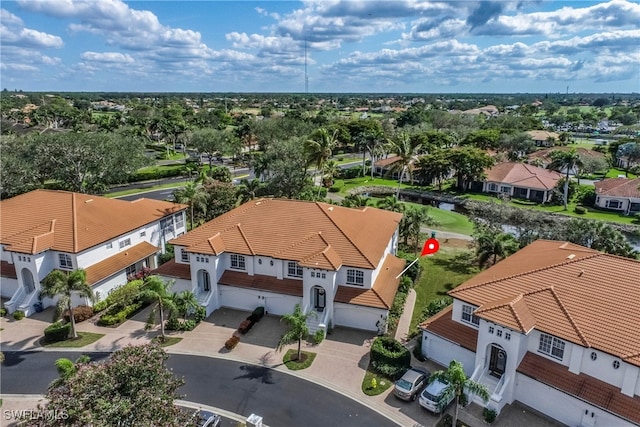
358 317
443 352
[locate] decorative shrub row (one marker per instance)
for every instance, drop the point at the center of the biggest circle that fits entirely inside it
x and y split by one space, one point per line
389 357
175 324
232 342
80 314
58 331
157 173
124 295
398 302
120 316
252 319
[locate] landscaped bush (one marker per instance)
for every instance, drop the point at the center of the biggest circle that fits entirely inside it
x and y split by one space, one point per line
581 210
18 315
58 331
389 357
414 270
157 172
122 296
120 316
232 342
338 185
318 337
175 324
489 415
80 314
3 312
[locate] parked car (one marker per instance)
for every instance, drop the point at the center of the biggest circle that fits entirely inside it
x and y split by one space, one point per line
408 387
208 419
434 398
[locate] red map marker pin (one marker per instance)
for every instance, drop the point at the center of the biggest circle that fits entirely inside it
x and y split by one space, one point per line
431 246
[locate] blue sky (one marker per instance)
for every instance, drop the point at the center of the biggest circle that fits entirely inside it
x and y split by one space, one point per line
358 46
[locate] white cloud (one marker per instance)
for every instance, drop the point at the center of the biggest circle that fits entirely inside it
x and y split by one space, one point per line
109 57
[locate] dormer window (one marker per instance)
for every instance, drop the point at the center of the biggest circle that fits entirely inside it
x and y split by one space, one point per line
238 262
65 262
355 277
293 269
468 316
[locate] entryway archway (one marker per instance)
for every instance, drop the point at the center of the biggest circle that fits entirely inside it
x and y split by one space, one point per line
497 361
319 296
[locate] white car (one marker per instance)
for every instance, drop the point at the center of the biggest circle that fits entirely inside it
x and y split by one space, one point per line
434 398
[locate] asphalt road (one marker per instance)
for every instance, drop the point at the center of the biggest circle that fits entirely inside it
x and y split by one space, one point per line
281 399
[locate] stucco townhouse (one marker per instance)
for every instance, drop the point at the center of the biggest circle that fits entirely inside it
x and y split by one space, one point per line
110 239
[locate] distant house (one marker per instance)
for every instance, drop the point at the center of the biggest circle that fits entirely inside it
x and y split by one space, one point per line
543 156
620 194
384 168
337 262
110 239
543 138
555 327
487 110
521 181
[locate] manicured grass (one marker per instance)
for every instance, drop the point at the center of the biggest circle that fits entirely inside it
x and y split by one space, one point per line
366 181
168 341
381 385
442 272
447 221
291 362
614 172
84 338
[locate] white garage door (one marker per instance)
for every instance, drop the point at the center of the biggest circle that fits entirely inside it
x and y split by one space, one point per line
248 299
354 316
443 352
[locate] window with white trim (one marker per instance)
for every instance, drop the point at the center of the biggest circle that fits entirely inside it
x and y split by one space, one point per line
143 233
184 255
131 270
323 275
65 262
237 262
355 277
179 220
166 225
614 204
468 316
492 186
124 243
551 346
293 269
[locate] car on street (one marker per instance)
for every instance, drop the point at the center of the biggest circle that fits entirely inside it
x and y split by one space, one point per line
409 385
435 397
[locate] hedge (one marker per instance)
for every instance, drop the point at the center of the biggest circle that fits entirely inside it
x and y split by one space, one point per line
120 316
80 314
58 331
389 357
338 185
123 295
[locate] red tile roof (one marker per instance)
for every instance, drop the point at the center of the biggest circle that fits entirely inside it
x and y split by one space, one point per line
444 326
618 187
575 293
581 386
523 175
72 222
296 230
172 269
262 282
118 262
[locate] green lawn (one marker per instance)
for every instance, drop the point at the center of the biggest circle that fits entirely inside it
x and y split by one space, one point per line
382 383
442 272
366 181
447 221
84 338
290 359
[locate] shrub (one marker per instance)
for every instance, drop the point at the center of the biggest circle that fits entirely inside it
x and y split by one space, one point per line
175 324
581 210
3 312
200 314
318 337
489 415
389 357
120 297
18 315
80 314
58 331
232 342
120 316
338 185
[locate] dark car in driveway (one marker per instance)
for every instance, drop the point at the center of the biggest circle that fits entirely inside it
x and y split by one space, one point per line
410 384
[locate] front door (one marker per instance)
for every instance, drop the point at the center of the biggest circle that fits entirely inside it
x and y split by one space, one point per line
320 298
497 362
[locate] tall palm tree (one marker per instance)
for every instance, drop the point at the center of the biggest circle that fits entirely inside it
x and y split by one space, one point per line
319 150
330 171
412 222
185 302
192 195
406 150
64 285
457 383
567 161
248 190
298 329
491 244
390 203
156 291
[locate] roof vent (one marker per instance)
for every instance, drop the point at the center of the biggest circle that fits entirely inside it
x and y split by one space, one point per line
572 256
88 201
258 203
330 208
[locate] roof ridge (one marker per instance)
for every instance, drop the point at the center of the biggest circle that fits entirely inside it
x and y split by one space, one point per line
524 273
371 264
571 321
508 302
74 223
300 242
244 237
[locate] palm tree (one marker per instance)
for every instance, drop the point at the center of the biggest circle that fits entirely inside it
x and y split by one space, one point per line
248 190
185 302
64 285
354 201
412 222
156 291
298 329
319 149
391 203
193 196
330 170
567 161
68 368
457 383
406 150
493 244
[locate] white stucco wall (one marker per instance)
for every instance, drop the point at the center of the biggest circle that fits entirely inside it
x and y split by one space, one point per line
444 351
561 406
8 287
249 299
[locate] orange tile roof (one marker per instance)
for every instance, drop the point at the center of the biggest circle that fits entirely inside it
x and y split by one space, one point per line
581 386
542 135
172 269
280 228
618 187
262 282
72 222
384 289
575 293
119 262
444 326
8 270
523 175
545 153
